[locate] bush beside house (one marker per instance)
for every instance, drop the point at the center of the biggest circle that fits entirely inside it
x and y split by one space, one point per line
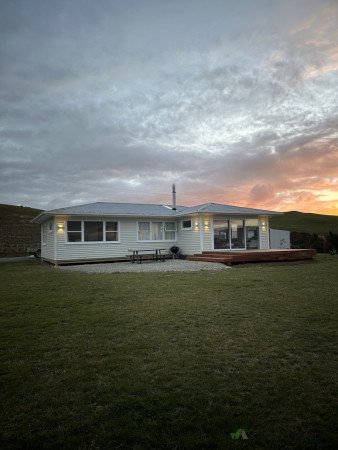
18 236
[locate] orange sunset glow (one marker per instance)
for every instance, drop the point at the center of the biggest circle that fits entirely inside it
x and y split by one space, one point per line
235 102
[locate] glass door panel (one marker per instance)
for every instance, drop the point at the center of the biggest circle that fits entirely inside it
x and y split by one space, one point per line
237 234
252 234
221 235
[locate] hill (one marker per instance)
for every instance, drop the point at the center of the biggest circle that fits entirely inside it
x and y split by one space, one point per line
305 222
17 233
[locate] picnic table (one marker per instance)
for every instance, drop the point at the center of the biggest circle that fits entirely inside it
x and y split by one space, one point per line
155 253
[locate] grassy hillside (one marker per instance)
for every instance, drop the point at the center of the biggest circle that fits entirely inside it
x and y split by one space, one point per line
17 233
305 222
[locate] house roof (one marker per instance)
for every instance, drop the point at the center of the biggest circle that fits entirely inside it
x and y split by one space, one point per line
112 209
217 208
147 210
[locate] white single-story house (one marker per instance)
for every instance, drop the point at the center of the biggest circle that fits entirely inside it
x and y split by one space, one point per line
108 231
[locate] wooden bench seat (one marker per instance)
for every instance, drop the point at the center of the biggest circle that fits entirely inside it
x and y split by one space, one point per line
151 254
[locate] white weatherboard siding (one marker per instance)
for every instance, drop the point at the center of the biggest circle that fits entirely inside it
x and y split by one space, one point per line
97 250
264 233
47 249
207 234
279 239
189 241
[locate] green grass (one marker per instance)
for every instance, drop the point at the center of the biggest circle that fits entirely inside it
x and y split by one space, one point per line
305 222
171 360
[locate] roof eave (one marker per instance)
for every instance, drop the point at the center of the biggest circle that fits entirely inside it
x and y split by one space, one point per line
239 213
46 214
40 218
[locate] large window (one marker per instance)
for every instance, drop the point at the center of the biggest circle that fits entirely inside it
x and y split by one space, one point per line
74 231
169 231
92 231
144 231
112 231
156 231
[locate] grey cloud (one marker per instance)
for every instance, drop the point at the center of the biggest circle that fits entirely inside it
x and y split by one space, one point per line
126 97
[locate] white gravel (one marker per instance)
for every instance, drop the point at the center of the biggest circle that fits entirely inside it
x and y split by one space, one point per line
170 265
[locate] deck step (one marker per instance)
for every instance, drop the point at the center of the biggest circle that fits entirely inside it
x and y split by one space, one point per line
208 259
240 257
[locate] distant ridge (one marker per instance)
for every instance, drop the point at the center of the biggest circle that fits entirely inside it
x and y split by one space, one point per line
320 224
16 230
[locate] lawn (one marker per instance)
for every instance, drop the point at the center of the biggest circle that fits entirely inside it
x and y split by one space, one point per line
171 360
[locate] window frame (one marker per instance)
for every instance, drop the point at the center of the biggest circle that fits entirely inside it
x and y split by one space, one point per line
46 229
44 232
87 232
117 231
186 228
74 231
151 231
83 242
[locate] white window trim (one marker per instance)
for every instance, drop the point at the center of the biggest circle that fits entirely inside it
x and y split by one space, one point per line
156 240
43 234
186 228
83 242
50 227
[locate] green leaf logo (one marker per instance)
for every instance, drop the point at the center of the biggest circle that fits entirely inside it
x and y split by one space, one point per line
239 433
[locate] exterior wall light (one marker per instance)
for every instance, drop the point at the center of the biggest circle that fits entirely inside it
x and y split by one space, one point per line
263 225
206 224
60 228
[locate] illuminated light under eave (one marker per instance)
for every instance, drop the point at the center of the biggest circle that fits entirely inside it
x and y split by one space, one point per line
60 228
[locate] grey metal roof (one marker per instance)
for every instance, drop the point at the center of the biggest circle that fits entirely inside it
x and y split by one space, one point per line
146 210
217 208
112 209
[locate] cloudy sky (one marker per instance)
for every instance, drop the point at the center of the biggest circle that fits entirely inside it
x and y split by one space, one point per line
114 100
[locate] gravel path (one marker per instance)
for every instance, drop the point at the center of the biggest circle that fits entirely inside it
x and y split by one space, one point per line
170 265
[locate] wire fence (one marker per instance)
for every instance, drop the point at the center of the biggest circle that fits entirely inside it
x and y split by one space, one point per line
18 249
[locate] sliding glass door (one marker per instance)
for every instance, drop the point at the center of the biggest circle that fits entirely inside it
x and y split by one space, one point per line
236 234
252 234
221 235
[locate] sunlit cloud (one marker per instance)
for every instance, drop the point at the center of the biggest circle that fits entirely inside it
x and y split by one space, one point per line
235 102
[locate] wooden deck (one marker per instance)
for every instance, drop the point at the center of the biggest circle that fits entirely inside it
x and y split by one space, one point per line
247 256
69 262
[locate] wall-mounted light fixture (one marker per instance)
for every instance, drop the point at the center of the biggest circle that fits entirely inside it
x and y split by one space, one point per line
60 228
195 225
206 224
263 225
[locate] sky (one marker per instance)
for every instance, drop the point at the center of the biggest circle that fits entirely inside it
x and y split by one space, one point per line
114 100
